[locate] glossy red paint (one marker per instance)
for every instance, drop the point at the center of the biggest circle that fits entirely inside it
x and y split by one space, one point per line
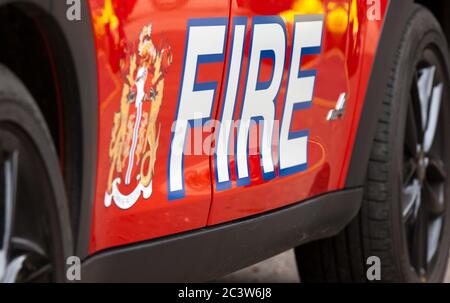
348 49
117 25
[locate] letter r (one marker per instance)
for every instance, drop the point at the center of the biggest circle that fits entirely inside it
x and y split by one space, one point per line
268 41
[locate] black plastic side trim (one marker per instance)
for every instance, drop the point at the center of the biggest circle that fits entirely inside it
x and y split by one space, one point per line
391 35
212 252
80 39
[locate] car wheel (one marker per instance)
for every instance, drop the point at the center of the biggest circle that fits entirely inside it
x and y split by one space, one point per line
404 220
35 235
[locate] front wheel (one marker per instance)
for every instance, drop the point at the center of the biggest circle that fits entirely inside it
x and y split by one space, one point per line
35 235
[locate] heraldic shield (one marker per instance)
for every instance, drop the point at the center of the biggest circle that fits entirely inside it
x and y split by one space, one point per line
135 133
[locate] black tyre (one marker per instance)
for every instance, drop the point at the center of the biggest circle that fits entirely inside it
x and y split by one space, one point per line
404 218
35 235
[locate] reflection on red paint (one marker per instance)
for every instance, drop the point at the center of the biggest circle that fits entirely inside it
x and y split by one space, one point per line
345 58
348 49
117 26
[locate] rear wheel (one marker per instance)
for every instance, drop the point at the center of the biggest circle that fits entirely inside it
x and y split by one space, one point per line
404 219
35 232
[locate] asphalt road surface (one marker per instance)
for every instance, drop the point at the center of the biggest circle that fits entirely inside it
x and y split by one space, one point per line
279 269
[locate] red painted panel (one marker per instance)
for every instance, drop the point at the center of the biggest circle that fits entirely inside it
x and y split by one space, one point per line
121 29
348 48
364 38
118 25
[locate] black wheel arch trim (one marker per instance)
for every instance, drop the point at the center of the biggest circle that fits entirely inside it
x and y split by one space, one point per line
392 32
79 38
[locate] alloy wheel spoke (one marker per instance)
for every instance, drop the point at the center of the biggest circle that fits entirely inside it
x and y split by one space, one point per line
425 88
9 168
415 118
30 263
433 117
12 269
413 132
429 97
411 200
409 171
434 232
27 268
419 252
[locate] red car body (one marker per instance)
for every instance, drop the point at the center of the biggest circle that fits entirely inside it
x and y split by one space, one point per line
137 94
182 140
343 66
